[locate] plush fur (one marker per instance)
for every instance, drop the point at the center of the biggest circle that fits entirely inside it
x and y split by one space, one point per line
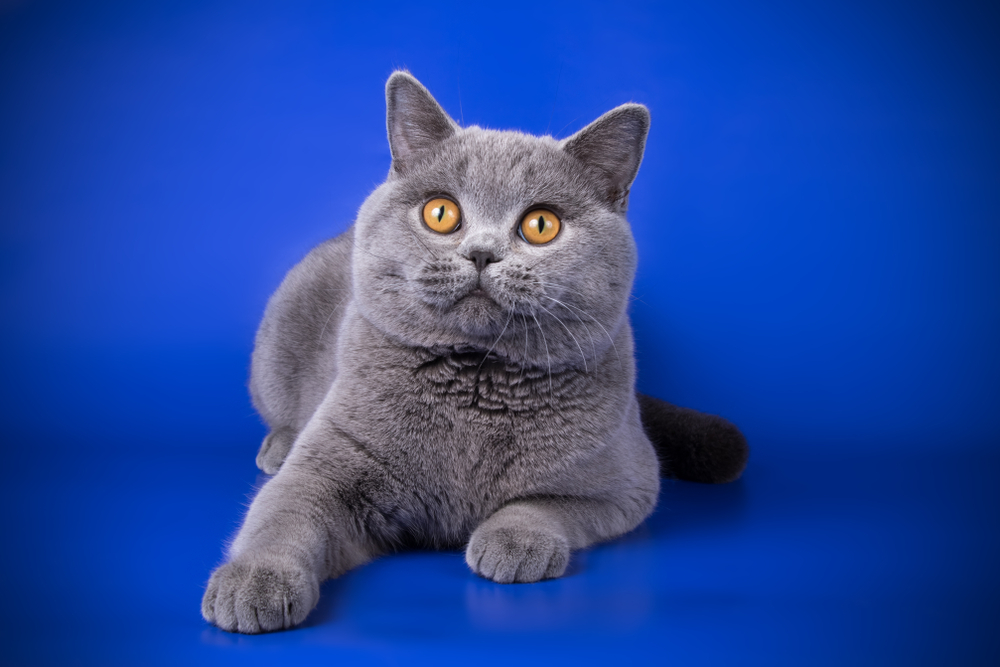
463 390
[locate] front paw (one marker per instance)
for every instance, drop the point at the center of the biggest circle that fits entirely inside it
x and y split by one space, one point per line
259 596
520 554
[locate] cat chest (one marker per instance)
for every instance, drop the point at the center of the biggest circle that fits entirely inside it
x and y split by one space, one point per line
459 467
455 441
484 390
467 441
488 430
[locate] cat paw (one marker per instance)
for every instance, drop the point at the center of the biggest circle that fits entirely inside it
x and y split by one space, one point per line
259 596
274 449
519 554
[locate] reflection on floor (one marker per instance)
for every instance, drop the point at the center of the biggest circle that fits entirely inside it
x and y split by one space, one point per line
807 560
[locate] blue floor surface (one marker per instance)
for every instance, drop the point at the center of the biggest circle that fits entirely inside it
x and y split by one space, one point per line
828 559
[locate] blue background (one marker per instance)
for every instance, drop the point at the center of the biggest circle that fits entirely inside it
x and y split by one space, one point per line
818 218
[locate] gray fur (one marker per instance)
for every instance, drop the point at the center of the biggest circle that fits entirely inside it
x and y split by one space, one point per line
405 412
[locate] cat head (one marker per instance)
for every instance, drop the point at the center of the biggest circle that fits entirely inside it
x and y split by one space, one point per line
499 241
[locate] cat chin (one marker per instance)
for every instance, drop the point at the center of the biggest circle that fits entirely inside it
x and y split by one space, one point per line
477 315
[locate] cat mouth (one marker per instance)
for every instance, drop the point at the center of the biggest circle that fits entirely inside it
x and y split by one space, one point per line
479 297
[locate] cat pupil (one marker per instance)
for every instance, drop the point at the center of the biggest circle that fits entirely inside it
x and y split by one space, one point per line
438 213
541 224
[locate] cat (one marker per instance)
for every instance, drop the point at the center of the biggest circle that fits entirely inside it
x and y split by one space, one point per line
456 371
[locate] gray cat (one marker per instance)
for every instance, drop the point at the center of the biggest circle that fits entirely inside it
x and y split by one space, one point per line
456 371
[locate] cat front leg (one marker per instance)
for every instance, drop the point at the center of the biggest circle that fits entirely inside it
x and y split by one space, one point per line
296 534
521 542
530 540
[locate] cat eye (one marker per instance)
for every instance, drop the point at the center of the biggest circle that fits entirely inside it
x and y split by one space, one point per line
539 226
442 215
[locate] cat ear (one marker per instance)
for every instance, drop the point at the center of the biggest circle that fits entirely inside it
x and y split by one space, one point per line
612 146
415 120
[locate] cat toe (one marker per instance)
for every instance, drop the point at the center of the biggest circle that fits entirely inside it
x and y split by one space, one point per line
514 554
259 597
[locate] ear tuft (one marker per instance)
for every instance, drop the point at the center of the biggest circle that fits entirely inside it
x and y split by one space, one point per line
612 146
415 121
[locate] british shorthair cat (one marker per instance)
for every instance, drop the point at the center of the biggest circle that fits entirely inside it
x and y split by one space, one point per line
456 371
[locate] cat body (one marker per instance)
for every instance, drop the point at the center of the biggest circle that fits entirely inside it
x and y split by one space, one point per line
470 388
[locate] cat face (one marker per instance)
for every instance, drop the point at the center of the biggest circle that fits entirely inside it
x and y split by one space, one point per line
499 241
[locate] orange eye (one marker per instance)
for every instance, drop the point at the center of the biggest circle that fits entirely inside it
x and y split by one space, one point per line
539 226
442 215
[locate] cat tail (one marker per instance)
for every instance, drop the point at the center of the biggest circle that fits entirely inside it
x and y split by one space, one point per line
692 445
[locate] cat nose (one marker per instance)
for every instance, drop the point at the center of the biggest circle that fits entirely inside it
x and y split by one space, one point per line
481 258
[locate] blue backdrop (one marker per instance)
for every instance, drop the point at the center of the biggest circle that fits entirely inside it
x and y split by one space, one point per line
818 219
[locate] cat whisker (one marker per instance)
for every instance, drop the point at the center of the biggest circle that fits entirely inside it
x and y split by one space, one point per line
420 241
606 244
596 321
567 125
330 316
409 307
387 259
597 254
593 347
494 343
548 359
540 260
582 355
564 288
524 361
